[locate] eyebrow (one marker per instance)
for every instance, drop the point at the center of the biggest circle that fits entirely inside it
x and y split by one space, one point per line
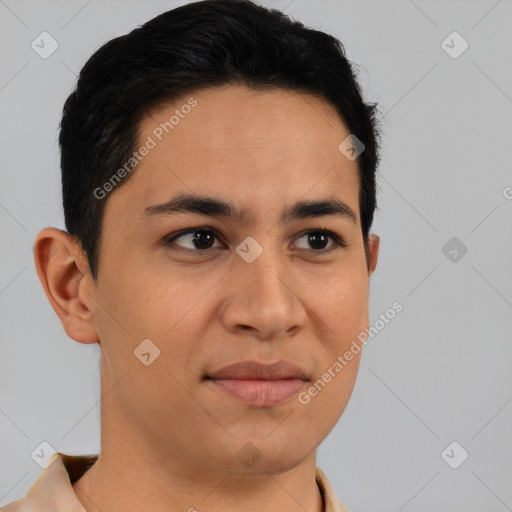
213 207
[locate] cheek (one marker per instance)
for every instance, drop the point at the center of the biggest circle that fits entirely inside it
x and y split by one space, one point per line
148 302
325 400
341 303
168 307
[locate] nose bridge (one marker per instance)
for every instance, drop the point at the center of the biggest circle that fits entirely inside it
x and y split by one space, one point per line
263 298
265 266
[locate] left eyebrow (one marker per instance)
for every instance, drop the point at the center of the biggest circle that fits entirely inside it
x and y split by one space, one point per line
213 207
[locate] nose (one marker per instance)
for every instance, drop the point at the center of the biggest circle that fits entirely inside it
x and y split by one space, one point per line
263 298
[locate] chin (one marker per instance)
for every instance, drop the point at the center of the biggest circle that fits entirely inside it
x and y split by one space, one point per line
263 456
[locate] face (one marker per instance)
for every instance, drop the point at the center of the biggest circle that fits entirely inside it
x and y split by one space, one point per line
211 286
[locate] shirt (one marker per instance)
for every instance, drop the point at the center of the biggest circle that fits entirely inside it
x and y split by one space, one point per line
53 491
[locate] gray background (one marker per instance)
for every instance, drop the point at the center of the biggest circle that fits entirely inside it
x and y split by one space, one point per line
439 372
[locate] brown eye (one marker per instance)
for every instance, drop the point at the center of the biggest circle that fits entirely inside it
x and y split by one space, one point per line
198 239
202 239
318 240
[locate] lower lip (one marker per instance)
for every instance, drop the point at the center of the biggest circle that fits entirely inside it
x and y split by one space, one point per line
260 392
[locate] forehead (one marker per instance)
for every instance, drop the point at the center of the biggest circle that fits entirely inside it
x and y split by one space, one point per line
236 118
249 145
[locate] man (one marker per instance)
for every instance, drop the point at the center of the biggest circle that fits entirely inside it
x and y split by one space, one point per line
225 123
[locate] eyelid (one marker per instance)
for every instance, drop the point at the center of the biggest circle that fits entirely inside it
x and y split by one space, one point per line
338 240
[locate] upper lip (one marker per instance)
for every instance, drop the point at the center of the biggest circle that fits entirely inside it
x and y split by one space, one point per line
254 370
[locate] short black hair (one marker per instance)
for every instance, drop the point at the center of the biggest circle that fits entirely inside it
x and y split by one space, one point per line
200 45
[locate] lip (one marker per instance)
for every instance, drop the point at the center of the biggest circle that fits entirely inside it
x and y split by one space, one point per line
253 370
259 384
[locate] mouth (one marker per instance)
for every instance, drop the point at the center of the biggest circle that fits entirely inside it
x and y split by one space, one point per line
259 384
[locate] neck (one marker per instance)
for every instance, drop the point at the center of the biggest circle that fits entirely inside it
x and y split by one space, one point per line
115 484
132 474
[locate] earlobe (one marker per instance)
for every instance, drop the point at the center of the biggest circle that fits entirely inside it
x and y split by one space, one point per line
63 272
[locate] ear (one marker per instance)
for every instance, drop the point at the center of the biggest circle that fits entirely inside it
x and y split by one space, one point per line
372 253
64 273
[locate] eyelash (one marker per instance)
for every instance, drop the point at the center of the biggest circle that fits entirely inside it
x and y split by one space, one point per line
337 240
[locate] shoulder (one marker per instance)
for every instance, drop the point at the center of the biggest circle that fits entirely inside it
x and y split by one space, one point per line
15 506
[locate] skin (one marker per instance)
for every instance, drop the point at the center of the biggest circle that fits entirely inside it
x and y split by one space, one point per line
170 440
